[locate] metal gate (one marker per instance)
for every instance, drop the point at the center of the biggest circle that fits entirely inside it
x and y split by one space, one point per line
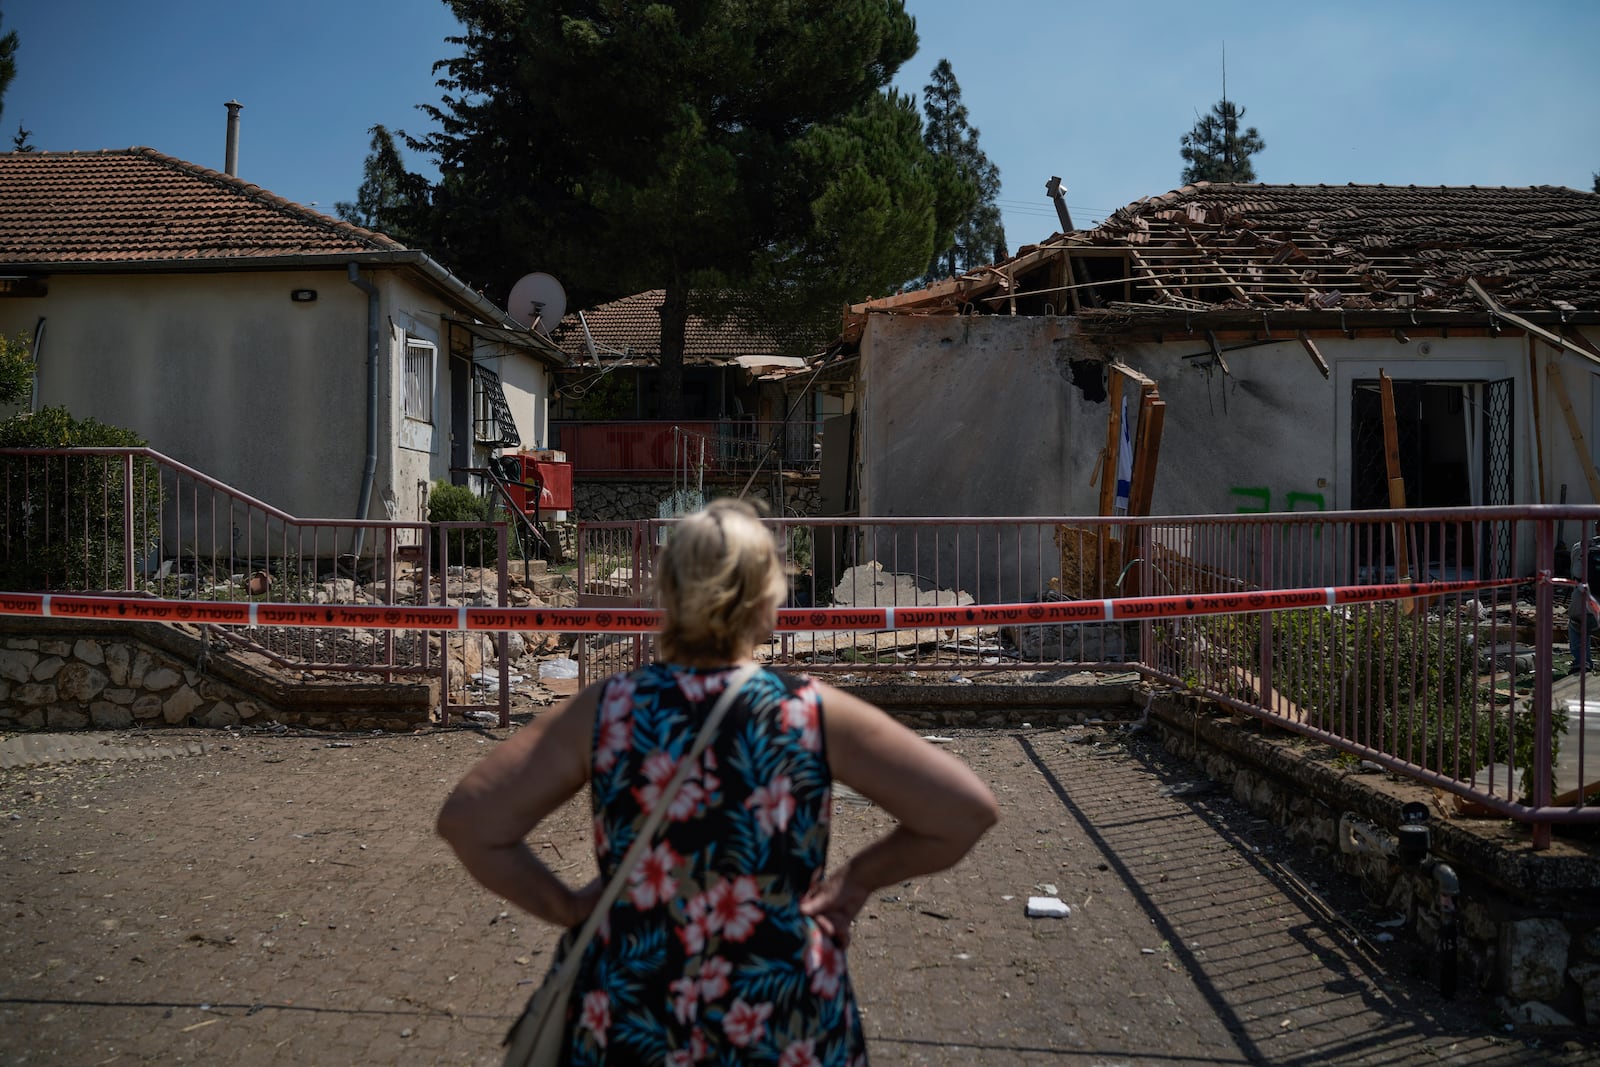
1497 475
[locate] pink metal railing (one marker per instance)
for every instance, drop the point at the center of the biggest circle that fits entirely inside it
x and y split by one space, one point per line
1457 691
1454 691
136 521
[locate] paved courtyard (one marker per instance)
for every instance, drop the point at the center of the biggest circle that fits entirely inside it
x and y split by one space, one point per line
258 898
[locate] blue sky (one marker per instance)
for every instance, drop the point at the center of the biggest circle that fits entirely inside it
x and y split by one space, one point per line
1453 92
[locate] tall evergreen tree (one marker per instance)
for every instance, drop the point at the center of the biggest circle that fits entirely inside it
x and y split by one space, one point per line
980 237
391 199
8 64
1215 149
698 147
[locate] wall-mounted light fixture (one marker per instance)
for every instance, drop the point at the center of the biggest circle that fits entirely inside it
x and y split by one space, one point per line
302 296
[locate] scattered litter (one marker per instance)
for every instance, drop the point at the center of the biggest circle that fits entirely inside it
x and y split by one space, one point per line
1008 897
560 667
1047 908
196 1026
939 739
475 715
1027 726
1385 938
339 744
1184 789
488 678
1047 888
1147 952
963 955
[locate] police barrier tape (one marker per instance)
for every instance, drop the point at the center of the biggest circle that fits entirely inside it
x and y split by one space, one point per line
645 620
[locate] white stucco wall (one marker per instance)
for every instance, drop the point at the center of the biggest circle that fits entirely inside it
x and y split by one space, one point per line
225 373
979 416
527 385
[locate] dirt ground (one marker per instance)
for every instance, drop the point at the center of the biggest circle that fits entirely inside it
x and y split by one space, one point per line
263 898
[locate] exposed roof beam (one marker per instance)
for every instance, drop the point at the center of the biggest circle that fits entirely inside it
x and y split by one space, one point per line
1536 330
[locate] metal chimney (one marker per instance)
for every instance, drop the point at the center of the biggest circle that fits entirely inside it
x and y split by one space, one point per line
231 163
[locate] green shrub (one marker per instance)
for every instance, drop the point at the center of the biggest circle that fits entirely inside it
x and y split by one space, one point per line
16 370
457 503
1402 684
64 520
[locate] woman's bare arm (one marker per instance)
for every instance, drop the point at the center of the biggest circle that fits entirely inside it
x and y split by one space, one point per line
942 807
505 795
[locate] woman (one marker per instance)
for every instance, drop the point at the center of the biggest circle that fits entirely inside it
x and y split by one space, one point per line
727 943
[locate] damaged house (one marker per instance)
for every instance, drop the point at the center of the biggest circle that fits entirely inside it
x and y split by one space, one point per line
1243 330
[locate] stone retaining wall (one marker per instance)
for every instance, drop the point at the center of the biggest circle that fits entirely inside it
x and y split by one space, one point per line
59 674
1528 923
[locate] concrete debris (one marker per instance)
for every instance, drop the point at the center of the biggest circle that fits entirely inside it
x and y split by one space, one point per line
1047 908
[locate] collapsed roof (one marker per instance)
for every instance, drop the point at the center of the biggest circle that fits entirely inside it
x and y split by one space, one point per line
1211 256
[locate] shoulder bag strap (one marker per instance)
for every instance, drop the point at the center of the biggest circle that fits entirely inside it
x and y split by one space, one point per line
652 821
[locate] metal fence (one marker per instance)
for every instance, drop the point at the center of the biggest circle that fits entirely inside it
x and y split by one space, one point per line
1464 691
1467 692
136 521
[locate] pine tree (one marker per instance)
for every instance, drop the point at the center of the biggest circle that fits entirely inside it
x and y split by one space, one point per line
980 236
693 147
8 64
391 199
1215 149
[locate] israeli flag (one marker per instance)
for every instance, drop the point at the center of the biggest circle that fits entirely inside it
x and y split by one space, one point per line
1124 461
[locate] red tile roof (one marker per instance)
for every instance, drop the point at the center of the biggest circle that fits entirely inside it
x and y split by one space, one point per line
1305 248
137 205
632 325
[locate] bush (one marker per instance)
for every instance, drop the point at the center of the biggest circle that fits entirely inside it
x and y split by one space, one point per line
64 520
457 503
16 370
1416 675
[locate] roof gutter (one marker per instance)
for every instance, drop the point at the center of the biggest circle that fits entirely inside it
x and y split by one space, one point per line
370 470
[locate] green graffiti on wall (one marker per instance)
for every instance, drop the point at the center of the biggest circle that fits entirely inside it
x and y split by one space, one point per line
1257 500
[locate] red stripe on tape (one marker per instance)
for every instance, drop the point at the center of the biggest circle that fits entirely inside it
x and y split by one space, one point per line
640 620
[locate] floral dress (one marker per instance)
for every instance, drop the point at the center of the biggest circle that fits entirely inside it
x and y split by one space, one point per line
705 957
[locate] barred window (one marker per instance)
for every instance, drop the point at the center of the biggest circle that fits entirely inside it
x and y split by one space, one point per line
419 379
491 415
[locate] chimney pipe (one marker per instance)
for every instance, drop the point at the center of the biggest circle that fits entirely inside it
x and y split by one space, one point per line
1054 191
230 165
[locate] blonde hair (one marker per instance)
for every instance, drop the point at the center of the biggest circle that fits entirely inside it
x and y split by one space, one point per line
718 580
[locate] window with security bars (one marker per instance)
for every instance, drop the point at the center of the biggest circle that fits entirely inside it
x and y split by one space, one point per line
492 424
420 357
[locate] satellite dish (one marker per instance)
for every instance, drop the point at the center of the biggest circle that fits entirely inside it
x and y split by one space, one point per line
537 301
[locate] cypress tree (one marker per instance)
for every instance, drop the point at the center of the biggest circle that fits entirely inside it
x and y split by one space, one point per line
980 237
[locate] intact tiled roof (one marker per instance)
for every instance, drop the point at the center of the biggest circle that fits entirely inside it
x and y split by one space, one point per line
137 205
632 326
1304 248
